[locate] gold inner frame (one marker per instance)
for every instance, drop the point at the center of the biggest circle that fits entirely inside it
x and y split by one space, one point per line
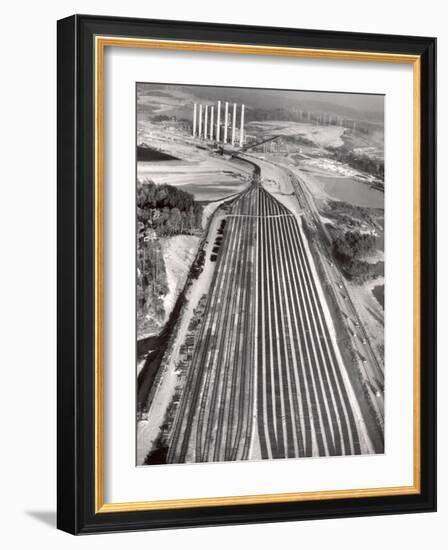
101 42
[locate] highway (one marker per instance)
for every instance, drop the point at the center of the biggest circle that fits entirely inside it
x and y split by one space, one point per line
266 379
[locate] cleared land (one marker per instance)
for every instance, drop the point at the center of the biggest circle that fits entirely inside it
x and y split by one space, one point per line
179 253
323 136
207 180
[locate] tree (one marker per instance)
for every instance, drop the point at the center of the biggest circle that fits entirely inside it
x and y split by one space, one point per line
348 250
167 209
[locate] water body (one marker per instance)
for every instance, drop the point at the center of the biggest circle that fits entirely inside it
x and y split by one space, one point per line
352 191
378 292
149 154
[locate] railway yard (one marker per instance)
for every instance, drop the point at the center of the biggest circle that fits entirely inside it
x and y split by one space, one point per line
265 376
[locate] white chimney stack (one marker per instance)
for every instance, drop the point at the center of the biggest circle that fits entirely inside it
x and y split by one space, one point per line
242 126
218 122
200 121
194 118
226 117
233 124
212 112
205 122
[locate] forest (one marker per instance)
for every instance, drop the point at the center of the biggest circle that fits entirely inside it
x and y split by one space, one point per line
349 248
167 209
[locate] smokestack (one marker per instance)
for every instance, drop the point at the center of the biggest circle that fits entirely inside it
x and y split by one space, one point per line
226 118
233 123
194 118
205 121
242 126
200 121
212 112
218 121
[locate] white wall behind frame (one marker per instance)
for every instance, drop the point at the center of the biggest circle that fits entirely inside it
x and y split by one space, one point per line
28 320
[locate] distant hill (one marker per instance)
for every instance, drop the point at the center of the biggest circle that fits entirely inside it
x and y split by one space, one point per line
354 106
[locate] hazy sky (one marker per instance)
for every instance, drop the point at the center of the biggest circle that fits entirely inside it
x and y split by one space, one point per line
363 102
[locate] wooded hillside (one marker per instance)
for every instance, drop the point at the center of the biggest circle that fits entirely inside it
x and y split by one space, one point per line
167 209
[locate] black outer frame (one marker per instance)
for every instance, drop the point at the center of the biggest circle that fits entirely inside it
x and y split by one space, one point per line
75 172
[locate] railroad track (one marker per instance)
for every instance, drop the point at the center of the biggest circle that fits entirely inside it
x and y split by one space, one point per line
205 385
267 352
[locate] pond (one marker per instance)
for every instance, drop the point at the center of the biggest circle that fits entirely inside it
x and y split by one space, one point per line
378 292
352 191
147 154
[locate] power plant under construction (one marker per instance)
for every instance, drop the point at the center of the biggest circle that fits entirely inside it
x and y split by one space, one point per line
219 122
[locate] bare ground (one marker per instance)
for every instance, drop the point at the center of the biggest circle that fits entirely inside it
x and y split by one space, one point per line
178 253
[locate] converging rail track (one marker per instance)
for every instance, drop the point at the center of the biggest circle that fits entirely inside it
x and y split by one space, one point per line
266 379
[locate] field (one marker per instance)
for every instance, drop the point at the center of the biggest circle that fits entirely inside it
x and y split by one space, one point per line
206 181
323 136
206 176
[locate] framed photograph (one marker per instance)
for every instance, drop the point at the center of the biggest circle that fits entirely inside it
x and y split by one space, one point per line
246 274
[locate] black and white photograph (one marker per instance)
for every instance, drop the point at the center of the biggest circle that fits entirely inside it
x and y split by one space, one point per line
260 274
